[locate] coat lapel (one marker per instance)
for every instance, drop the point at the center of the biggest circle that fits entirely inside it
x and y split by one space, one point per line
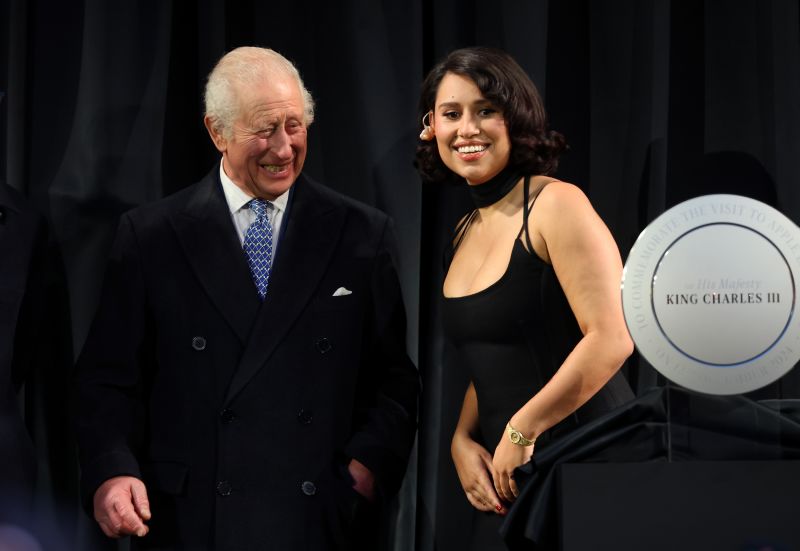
309 239
209 239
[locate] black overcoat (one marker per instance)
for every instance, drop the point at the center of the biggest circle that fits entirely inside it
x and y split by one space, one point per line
240 416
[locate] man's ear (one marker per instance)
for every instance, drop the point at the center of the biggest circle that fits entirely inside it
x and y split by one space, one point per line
216 134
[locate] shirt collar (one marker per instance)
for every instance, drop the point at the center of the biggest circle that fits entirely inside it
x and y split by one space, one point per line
237 198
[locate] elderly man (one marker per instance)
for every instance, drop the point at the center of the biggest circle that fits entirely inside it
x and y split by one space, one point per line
245 383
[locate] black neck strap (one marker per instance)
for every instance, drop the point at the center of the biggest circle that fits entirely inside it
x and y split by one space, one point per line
494 189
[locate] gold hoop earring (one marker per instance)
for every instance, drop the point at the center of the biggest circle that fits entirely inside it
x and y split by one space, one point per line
427 131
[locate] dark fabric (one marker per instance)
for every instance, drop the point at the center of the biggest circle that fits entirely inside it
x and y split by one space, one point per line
20 236
38 473
512 337
238 414
494 189
663 424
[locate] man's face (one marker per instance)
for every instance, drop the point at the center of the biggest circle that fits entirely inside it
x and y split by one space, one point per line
267 147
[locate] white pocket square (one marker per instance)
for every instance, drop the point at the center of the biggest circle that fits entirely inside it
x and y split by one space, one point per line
342 291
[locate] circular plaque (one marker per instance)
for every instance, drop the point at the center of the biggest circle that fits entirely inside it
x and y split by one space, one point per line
709 294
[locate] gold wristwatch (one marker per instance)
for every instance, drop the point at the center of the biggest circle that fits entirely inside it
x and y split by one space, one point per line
516 436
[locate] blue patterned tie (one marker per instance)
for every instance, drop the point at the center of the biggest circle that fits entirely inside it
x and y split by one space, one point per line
258 245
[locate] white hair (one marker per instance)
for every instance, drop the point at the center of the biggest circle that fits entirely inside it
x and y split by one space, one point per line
244 66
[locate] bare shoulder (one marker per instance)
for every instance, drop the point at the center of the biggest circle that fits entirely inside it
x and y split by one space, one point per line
560 194
561 204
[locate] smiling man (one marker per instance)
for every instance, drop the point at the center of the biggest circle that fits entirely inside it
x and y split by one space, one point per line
245 383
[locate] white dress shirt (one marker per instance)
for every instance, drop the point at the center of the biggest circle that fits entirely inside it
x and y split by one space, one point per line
241 214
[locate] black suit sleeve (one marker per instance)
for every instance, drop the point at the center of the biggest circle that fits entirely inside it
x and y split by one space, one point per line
389 385
109 375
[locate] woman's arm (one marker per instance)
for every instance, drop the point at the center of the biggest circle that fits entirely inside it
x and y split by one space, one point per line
473 462
567 232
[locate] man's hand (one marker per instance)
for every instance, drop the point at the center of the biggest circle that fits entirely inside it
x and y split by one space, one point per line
363 479
121 507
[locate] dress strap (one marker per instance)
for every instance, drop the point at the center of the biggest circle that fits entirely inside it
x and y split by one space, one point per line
461 229
527 207
458 237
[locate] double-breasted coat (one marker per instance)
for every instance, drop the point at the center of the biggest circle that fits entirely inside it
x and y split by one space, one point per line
240 416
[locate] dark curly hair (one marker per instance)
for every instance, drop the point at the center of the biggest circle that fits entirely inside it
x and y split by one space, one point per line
534 148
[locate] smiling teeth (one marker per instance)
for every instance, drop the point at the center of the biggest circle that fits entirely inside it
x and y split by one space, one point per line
471 148
274 168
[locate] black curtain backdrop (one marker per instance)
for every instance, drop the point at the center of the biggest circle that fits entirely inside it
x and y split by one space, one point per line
660 101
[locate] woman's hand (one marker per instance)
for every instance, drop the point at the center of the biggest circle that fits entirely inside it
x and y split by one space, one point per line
507 457
474 464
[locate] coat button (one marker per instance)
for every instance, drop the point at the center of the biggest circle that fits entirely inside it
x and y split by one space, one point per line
323 345
309 488
198 343
227 416
224 488
305 416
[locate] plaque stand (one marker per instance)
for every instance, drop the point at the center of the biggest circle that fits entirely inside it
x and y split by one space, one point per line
729 479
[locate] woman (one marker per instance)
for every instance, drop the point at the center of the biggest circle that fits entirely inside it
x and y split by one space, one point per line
531 296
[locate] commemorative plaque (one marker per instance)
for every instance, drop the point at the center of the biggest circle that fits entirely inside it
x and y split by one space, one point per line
709 294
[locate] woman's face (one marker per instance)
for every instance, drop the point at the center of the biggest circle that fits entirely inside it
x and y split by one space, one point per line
471 133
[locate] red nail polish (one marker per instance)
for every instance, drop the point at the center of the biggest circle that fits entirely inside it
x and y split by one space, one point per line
499 508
